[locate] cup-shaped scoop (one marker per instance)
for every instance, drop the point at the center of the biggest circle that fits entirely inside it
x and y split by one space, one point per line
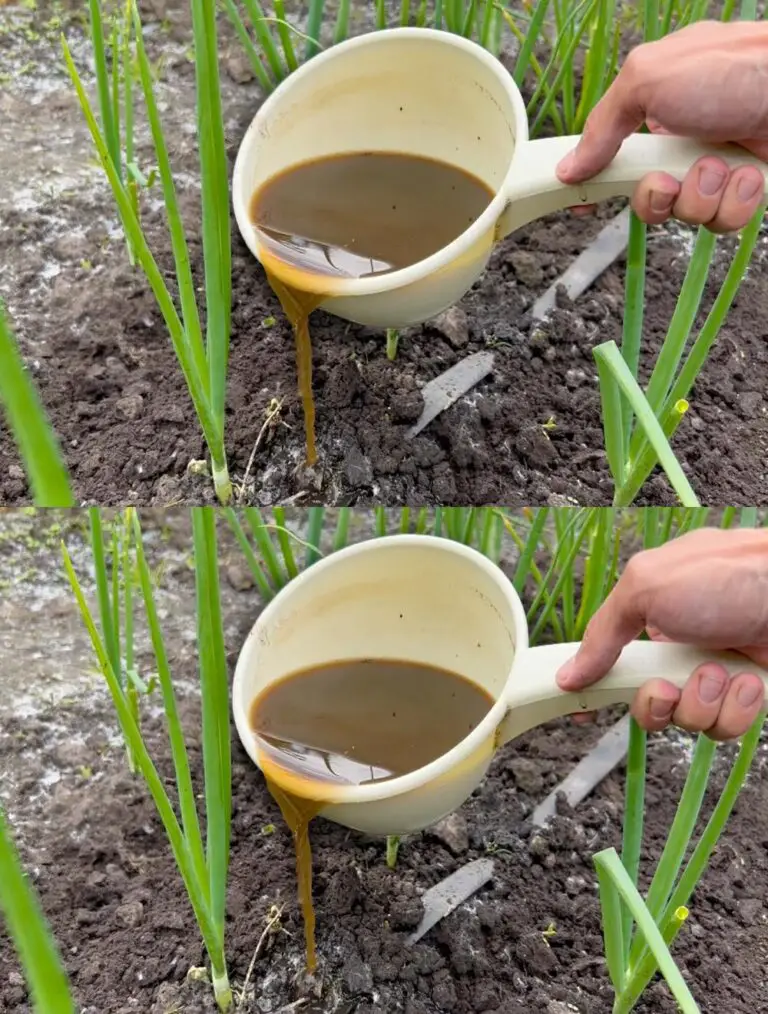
410 598
410 91
433 94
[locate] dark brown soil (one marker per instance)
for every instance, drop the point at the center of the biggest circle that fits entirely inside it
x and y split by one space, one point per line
99 351
530 941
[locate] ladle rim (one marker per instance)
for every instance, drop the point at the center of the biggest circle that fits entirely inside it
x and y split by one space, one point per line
373 285
466 747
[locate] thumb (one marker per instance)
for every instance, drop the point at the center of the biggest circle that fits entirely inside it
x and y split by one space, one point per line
614 118
614 625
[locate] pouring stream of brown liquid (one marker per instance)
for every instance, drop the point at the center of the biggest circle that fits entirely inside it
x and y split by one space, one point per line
354 216
354 723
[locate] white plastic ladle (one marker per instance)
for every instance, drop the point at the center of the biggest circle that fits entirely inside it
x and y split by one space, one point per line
429 93
433 601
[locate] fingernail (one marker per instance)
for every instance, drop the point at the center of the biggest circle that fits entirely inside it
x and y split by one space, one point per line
711 686
748 693
711 181
747 189
565 165
661 203
660 708
568 675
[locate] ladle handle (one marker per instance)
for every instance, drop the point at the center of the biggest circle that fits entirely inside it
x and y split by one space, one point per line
536 191
536 698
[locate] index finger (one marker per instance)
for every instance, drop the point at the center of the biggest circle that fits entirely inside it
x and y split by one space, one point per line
617 622
617 115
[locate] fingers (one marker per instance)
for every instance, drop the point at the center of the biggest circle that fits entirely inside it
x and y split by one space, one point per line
614 118
617 622
654 198
742 704
710 702
710 195
654 705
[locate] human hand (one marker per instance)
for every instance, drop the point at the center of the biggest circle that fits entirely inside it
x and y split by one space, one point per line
708 588
708 81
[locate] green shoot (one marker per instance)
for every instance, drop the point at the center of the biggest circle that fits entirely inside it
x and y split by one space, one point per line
203 869
31 934
393 338
393 847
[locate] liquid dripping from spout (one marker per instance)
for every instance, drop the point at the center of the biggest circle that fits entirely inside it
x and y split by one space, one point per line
297 813
297 307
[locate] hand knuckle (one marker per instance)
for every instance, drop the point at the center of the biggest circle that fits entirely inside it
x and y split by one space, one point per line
637 61
638 569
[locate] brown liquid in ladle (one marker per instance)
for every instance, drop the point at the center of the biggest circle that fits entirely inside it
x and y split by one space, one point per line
354 216
353 723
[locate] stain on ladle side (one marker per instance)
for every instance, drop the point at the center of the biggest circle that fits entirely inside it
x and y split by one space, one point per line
348 723
353 216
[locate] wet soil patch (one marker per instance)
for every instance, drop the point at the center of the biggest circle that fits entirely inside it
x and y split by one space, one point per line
98 349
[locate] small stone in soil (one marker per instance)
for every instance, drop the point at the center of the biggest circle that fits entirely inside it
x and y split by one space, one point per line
239 577
130 914
750 910
452 832
527 268
749 403
454 326
527 775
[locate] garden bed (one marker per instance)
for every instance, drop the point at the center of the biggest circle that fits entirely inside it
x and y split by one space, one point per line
530 941
99 351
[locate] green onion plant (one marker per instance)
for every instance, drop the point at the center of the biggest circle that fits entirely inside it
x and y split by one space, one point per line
202 863
203 358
